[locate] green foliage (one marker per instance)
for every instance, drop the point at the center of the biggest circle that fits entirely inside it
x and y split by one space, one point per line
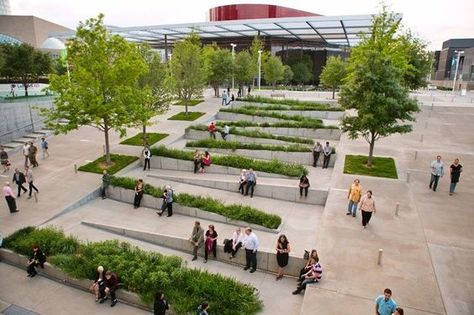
333 73
219 66
289 102
302 73
381 166
274 166
374 86
24 63
287 74
266 113
118 162
150 138
192 102
419 61
141 271
188 72
102 89
244 68
234 145
189 116
255 133
273 70
283 124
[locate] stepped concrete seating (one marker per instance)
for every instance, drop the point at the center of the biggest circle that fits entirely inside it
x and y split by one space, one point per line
281 190
127 195
323 133
305 158
257 119
266 261
185 165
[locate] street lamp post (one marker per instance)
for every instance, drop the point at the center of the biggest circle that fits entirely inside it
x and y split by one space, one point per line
259 68
233 57
457 67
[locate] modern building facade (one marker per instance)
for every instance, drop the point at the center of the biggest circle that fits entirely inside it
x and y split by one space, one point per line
445 62
5 7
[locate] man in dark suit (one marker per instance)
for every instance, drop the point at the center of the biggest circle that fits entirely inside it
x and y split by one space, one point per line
19 179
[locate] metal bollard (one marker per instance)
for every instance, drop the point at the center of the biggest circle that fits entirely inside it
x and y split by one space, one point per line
379 260
408 177
421 138
75 168
426 124
416 154
397 207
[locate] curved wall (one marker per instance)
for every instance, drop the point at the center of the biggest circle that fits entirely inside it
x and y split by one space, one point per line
253 11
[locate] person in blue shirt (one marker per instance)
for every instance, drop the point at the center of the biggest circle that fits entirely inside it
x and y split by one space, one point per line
384 304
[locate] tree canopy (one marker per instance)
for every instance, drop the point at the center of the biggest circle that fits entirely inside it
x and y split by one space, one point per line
244 68
375 87
301 72
333 73
102 88
287 74
273 70
219 66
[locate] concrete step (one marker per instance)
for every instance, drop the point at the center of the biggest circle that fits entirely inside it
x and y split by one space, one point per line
33 136
12 145
42 132
22 140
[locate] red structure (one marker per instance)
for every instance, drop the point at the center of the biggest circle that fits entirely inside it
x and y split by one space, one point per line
254 11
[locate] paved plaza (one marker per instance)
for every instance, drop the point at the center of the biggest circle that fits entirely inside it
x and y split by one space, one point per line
428 249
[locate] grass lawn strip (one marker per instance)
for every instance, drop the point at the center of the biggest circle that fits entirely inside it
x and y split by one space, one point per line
190 103
381 166
189 117
119 161
290 102
283 124
234 145
152 138
263 113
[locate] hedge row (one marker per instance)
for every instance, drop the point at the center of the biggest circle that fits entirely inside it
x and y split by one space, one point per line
266 113
256 134
283 124
140 271
234 145
291 108
275 166
290 102
233 211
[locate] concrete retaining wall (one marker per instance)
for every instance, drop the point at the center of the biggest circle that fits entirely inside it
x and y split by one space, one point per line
56 274
20 118
184 165
326 134
279 192
127 195
193 134
265 261
305 158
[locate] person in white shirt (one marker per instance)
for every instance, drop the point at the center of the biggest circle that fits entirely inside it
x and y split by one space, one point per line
29 180
237 240
225 132
327 151
437 171
26 152
251 247
147 157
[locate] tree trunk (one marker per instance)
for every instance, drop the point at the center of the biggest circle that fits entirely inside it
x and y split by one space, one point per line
274 85
26 88
371 150
333 91
144 134
186 107
107 144
216 90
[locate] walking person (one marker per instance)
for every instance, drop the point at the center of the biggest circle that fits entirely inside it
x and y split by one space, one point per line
26 152
210 243
384 304
437 171
212 130
19 178
354 194
139 186
29 179
224 98
225 132
147 157
251 182
283 254
4 159
160 306
317 149
105 183
37 258
251 247
239 92
327 151
367 207
304 185
32 151
167 201
10 197
44 147
455 172
197 238
237 241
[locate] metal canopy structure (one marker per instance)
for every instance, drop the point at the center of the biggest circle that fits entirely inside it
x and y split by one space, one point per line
328 30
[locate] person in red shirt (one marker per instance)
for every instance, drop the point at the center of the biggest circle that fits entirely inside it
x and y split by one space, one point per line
212 130
109 287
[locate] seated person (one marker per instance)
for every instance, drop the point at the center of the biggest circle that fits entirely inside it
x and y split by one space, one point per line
311 260
197 160
304 185
237 241
251 182
109 288
98 282
314 275
242 181
37 258
206 161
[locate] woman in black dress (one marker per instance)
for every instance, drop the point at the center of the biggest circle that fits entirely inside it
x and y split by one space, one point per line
283 250
456 170
139 186
211 242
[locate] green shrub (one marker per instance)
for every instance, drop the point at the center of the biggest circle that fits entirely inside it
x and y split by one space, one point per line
234 211
143 272
283 124
263 113
290 102
381 166
193 102
234 145
151 138
275 166
119 161
256 134
188 117
315 107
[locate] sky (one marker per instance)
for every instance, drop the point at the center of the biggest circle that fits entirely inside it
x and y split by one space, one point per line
432 20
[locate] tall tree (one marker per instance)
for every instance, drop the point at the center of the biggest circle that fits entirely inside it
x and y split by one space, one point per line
374 85
273 70
25 64
219 66
287 74
102 89
244 68
333 73
188 73
256 46
302 72
418 63
155 89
